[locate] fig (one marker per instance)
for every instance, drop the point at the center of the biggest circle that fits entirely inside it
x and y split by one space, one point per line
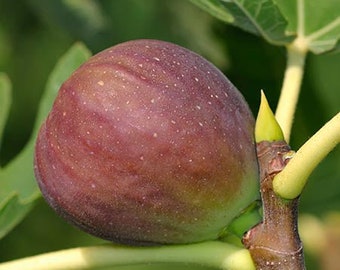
148 143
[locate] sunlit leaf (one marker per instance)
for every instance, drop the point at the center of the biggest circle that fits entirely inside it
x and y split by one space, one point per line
315 22
258 17
5 102
18 189
216 9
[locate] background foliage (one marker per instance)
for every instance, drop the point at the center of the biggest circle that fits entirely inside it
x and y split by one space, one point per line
34 34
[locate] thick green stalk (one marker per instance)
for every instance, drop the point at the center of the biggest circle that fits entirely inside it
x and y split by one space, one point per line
212 254
296 53
290 182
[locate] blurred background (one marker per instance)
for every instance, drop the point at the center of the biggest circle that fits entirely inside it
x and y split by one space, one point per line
35 33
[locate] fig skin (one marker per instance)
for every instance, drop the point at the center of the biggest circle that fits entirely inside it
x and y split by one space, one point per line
147 142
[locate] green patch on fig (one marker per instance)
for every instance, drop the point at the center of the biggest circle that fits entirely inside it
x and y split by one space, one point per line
147 142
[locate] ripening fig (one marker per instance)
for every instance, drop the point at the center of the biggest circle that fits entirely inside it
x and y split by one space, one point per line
147 142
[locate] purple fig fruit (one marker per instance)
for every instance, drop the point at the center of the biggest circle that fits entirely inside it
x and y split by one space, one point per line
147 142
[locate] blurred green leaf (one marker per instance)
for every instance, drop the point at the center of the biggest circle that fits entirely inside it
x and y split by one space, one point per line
258 17
316 22
18 189
12 211
77 55
82 17
88 12
5 101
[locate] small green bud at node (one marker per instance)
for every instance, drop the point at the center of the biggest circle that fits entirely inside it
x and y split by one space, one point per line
266 126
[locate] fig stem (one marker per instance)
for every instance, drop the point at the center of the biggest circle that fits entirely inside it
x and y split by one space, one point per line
290 182
296 55
211 253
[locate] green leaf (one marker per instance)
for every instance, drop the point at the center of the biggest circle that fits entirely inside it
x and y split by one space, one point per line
316 23
85 18
18 188
216 9
258 17
77 55
12 211
5 101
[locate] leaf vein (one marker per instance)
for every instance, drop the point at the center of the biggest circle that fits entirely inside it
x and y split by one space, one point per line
324 30
301 18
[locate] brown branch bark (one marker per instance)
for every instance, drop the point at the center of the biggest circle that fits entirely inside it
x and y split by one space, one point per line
275 242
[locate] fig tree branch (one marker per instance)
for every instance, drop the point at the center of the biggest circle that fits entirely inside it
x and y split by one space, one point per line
275 243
